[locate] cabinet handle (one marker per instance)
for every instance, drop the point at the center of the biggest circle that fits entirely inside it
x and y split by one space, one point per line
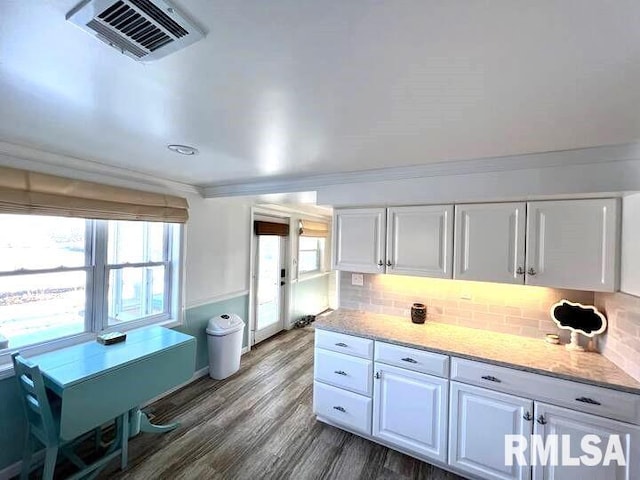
532 271
541 420
380 264
340 372
377 375
527 416
340 409
409 360
388 263
520 271
588 400
491 379
340 344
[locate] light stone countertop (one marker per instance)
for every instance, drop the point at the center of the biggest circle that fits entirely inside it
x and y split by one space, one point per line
523 353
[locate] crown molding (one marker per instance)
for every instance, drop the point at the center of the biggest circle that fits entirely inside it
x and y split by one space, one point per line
19 156
579 156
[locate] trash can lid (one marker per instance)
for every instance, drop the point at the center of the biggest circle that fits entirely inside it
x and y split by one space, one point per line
224 324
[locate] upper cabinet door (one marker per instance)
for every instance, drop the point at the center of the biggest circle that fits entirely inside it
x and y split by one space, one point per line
420 240
358 240
489 242
573 244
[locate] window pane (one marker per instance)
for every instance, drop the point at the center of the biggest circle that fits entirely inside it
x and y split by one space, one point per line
308 243
135 293
40 242
135 242
308 261
40 307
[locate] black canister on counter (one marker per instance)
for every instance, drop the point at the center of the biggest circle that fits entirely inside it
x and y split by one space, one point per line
418 313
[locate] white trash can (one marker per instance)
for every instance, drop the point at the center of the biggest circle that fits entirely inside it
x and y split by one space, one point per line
224 338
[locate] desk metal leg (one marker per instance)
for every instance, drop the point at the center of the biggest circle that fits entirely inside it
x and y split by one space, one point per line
140 423
124 441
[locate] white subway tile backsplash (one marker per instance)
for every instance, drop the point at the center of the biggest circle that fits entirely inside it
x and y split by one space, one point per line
515 309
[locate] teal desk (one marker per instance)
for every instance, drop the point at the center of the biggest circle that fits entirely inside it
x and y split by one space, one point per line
99 383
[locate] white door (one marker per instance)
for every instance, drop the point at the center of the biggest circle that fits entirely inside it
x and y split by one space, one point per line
420 240
551 420
479 421
573 244
359 240
410 411
489 242
270 282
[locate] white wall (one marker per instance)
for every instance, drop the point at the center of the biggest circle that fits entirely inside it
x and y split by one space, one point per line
630 260
217 249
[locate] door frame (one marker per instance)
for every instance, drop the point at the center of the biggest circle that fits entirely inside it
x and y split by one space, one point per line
261 213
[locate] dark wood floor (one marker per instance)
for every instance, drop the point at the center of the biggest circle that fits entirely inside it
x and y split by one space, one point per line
259 424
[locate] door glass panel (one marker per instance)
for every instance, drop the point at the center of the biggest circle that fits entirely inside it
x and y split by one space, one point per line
268 310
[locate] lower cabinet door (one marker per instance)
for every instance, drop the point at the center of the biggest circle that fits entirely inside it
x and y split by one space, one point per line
480 421
567 429
410 411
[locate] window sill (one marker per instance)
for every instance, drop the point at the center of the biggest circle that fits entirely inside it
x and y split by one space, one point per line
311 275
6 367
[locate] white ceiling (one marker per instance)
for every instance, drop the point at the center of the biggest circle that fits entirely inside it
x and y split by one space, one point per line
306 87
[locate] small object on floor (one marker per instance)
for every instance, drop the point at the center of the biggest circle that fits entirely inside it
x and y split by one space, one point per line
111 338
304 321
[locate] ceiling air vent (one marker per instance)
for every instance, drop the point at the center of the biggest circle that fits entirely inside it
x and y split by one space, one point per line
141 29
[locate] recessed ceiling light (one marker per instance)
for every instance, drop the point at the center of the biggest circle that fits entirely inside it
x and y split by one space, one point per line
183 149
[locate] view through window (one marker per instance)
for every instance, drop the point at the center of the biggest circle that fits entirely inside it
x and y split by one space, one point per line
65 276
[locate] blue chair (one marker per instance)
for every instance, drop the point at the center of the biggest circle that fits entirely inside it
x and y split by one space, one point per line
43 421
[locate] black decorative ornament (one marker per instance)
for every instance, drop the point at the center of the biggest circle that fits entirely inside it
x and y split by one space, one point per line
578 318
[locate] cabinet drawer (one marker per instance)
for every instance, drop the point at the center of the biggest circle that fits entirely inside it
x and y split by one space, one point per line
339 342
577 396
412 359
344 371
342 407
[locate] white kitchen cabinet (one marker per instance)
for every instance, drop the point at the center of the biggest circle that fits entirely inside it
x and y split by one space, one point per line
573 244
410 411
420 241
359 240
552 420
489 242
479 420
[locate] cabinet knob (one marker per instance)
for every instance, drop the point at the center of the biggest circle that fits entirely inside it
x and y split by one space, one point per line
409 360
541 420
380 264
520 271
388 263
340 372
491 378
527 416
590 401
377 375
532 271
340 344
340 409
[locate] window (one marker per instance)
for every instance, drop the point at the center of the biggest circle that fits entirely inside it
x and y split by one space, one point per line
310 254
61 277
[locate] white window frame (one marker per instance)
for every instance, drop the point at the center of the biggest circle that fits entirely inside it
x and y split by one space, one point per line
320 257
96 312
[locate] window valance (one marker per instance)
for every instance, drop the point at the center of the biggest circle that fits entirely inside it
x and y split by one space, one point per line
26 192
309 228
